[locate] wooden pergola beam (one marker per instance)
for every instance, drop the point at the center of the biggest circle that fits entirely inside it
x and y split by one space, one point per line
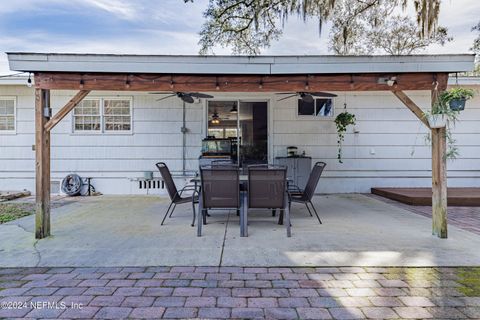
66 109
236 83
417 111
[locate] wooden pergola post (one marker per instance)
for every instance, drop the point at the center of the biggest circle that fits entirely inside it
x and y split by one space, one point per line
439 165
439 179
44 123
42 164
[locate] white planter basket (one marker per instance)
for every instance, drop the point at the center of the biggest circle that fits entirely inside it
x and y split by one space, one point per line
437 121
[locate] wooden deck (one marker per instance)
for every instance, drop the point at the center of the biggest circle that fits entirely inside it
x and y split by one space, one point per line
461 197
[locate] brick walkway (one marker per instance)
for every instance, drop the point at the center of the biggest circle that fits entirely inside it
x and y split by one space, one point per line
466 218
232 292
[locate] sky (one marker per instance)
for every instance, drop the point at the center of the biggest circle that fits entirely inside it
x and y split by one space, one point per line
168 27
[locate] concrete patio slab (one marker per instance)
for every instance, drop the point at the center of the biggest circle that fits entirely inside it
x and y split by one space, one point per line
125 231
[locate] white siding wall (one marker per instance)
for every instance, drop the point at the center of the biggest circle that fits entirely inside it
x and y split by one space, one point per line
380 154
111 159
386 128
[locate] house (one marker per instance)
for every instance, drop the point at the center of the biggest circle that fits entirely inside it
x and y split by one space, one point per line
114 137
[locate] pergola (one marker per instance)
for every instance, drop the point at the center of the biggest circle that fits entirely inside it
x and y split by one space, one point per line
85 73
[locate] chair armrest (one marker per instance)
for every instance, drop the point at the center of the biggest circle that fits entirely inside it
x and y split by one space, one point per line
293 187
187 188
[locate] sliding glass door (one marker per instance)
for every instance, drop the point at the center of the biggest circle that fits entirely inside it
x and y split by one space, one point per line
245 123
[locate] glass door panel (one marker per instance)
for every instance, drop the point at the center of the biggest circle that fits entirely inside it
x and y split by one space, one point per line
253 133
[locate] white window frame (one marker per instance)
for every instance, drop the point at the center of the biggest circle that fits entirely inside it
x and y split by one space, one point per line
100 115
315 116
102 118
15 119
130 99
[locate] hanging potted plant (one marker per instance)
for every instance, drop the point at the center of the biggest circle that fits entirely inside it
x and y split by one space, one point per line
457 97
442 116
342 121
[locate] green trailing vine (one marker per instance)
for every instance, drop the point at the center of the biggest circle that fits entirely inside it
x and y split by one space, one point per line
342 121
457 93
441 107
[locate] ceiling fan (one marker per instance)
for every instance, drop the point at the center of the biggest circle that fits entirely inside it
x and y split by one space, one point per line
306 96
185 96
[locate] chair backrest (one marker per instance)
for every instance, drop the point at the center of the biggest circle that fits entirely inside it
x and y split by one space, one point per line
266 186
167 178
313 180
220 186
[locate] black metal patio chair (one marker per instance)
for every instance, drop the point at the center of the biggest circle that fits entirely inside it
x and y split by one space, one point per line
305 196
220 189
267 189
175 194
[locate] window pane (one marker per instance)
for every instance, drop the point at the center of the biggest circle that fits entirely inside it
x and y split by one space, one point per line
324 107
306 108
117 115
7 115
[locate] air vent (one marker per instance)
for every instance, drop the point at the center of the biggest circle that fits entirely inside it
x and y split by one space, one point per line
151 184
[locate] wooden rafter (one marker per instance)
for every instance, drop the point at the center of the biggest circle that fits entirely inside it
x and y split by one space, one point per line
411 105
66 109
236 83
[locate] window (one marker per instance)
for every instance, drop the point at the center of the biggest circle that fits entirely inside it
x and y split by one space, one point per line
7 115
112 115
87 116
322 107
117 115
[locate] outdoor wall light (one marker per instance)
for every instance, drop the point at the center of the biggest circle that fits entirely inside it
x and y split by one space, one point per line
29 81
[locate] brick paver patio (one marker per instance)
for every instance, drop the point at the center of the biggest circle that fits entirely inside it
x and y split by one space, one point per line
234 292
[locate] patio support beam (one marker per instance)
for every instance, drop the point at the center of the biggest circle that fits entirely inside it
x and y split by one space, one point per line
42 164
66 109
236 82
439 179
411 105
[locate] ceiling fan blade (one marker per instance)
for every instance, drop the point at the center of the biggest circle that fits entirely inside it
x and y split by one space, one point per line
306 97
284 98
187 98
285 92
172 95
200 95
159 93
323 94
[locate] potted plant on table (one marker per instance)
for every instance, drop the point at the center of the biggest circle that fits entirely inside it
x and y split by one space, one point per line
342 121
457 97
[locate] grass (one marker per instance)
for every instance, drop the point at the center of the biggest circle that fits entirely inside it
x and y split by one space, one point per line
469 279
13 211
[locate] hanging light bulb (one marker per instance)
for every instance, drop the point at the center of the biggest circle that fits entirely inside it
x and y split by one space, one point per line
29 81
